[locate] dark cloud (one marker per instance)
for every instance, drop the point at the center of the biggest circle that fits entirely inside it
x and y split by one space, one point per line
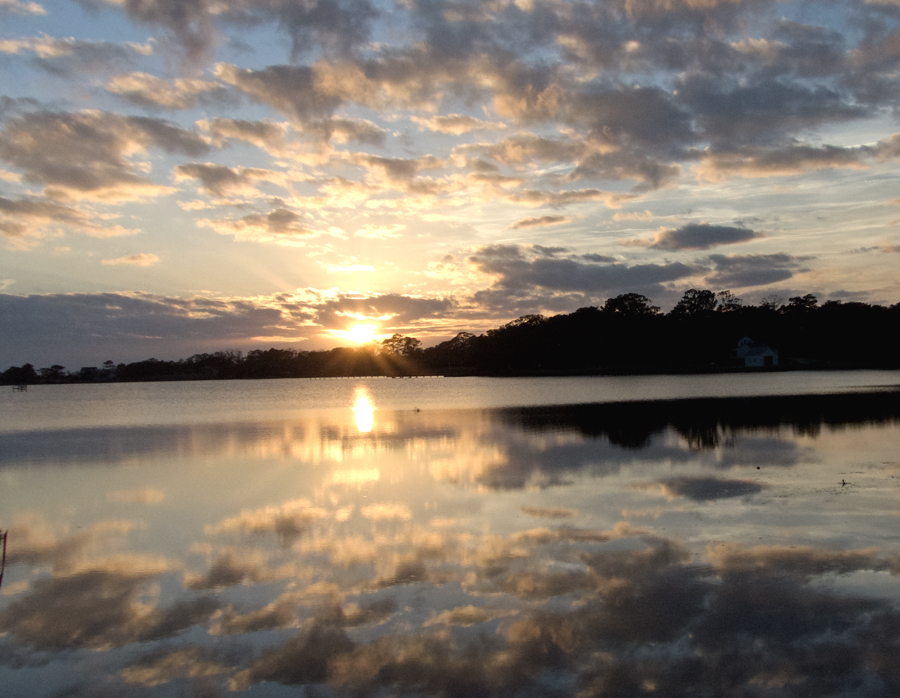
195 25
518 272
16 106
738 271
763 111
696 236
783 161
649 172
706 489
401 309
539 222
81 328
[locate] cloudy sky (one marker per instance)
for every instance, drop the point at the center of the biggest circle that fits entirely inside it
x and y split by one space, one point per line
187 176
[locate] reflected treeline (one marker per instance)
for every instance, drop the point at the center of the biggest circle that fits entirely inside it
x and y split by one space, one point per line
705 422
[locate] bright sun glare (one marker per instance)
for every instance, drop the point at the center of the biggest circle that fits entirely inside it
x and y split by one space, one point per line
361 334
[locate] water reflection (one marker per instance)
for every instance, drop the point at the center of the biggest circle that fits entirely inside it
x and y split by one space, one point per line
673 548
363 409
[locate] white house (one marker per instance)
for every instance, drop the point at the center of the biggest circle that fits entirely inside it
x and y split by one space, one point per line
755 354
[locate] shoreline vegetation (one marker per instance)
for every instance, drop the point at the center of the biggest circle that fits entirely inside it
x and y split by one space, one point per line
627 335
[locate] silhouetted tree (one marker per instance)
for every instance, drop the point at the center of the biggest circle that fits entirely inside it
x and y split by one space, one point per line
401 346
728 302
695 302
20 375
54 373
805 303
630 305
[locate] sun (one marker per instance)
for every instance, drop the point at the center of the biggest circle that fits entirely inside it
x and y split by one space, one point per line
361 334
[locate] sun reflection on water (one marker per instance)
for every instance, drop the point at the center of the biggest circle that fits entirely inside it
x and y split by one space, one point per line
363 409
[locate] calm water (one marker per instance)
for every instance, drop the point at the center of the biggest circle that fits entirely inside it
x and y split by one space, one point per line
453 537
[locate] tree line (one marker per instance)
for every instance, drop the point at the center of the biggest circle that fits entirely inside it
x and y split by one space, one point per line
627 334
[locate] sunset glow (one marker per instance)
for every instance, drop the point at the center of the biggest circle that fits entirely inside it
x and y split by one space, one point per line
361 334
363 410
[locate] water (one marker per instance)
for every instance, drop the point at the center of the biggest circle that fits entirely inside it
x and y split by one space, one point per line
71 406
442 537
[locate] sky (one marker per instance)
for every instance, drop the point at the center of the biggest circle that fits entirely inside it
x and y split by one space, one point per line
188 176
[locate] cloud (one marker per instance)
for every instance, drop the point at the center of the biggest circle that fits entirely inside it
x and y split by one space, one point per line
695 236
142 259
802 560
36 543
524 148
467 616
147 90
550 512
761 111
739 271
15 7
195 27
303 659
266 135
222 181
359 130
279 226
539 222
37 217
290 90
457 124
395 169
71 57
165 665
633 216
98 608
89 154
230 569
567 197
768 162
281 613
387 512
289 520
